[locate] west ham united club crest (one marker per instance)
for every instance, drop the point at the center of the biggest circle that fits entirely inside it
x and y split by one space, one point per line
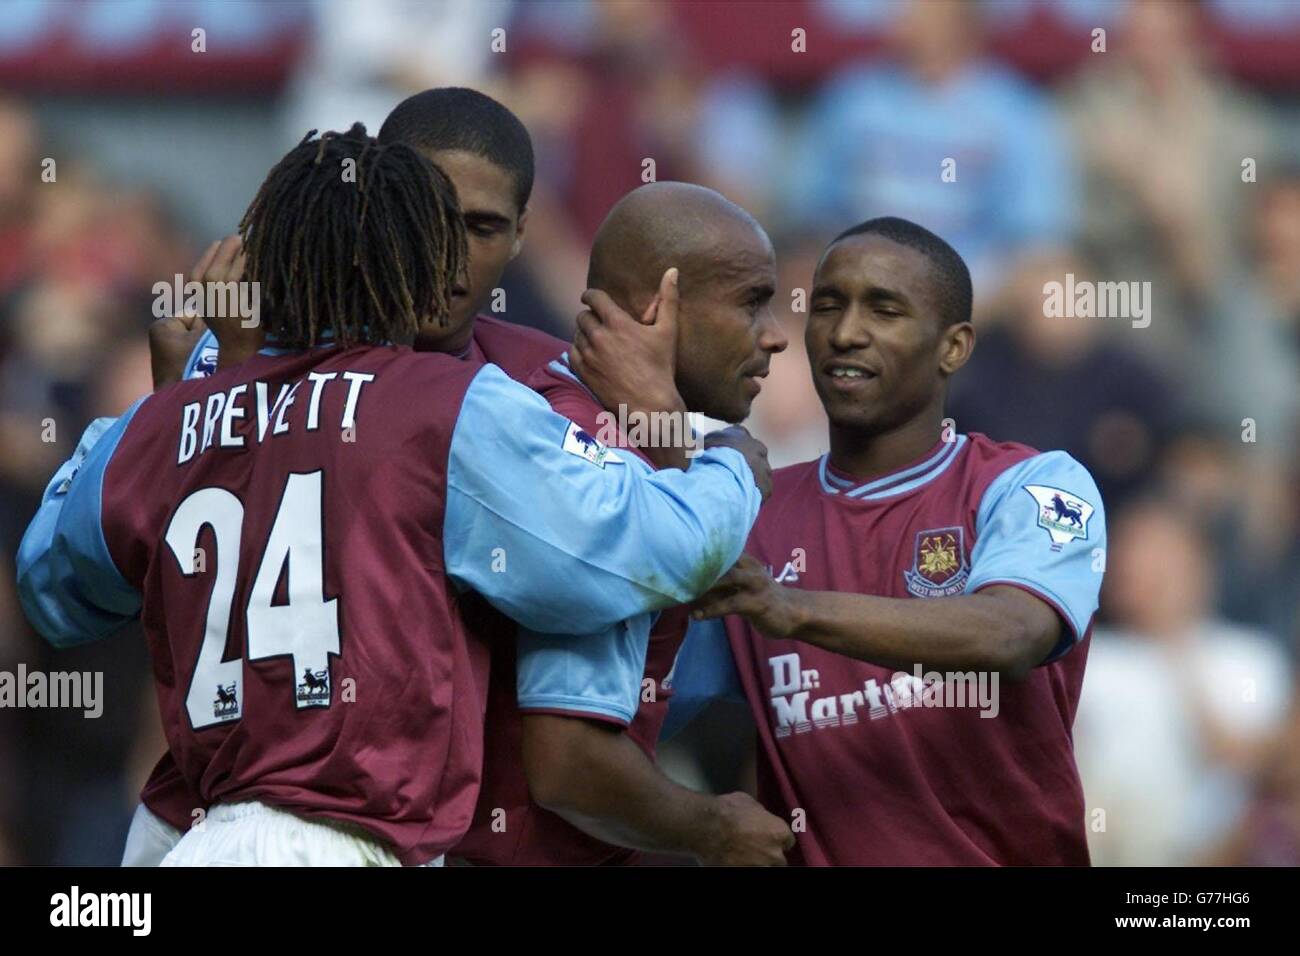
1062 515
939 567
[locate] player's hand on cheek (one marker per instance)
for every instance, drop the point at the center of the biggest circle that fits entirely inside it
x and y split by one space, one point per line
629 361
238 336
748 590
173 337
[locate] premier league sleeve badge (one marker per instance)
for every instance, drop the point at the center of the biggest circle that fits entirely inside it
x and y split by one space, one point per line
1062 515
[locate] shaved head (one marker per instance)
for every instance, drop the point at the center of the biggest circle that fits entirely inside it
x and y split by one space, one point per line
661 225
726 334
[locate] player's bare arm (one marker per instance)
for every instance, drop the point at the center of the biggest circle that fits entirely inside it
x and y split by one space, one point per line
999 628
595 777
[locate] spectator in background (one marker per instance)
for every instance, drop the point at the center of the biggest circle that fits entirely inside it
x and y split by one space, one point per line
366 56
78 259
1247 392
614 95
1162 135
1250 356
1177 704
16 642
1245 501
1269 832
1059 382
18 183
878 135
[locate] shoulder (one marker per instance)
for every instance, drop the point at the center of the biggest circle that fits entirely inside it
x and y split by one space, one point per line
518 349
987 458
1052 484
567 396
1004 463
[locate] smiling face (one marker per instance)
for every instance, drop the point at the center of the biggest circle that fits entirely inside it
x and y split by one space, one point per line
727 333
494 227
879 351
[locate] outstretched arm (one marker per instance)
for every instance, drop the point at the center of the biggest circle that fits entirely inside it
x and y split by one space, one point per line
1001 628
586 541
1031 592
595 777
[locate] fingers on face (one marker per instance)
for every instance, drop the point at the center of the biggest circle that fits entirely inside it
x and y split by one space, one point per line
231 250
651 311
599 303
221 261
205 260
668 287
586 321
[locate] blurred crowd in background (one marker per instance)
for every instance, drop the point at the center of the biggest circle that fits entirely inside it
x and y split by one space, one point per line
1173 157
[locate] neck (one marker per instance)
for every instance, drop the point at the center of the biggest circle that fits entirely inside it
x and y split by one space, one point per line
866 456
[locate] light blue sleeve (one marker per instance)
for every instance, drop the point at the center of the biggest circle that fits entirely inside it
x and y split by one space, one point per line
594 675
203 357
68 585
704 671
1041 526
567 537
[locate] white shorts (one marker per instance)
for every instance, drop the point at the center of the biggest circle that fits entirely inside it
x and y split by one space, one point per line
149 840
254 834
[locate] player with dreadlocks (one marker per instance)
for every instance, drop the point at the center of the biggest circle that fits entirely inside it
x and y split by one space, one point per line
292 531
487 155
385 225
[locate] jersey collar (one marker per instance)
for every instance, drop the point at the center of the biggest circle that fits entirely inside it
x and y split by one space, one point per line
909 478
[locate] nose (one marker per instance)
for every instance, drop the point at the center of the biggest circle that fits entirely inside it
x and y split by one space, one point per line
848 333
771 336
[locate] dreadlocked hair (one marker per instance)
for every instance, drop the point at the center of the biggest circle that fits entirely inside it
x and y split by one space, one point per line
360 252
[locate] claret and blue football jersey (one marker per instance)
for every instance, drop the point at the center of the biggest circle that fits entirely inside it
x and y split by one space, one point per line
876 766
295 533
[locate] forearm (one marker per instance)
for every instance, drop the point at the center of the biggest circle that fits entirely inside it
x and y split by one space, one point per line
970 632
599 780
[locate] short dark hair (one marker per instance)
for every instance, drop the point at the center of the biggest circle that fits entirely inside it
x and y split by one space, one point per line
452 117
365 258
953 286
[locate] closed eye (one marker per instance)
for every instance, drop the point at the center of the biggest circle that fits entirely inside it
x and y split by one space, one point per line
486 225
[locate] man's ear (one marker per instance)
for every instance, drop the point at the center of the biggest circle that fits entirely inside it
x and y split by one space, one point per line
519 233
956 344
